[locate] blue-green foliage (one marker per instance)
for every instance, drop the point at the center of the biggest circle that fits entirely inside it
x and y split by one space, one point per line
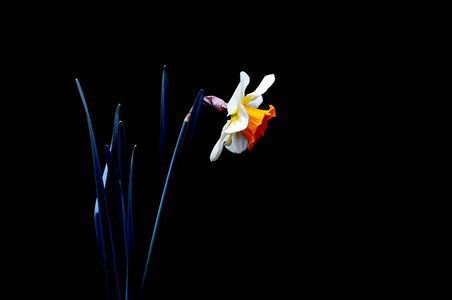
185 135
119 174
121 179
163 114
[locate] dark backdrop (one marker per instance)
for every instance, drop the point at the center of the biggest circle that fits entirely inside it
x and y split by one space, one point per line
275 221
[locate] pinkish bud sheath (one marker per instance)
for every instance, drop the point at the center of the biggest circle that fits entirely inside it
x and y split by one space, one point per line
187 117
214 102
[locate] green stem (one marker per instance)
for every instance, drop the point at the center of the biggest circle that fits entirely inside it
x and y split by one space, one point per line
168 177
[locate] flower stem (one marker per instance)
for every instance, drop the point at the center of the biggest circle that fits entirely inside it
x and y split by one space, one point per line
168 178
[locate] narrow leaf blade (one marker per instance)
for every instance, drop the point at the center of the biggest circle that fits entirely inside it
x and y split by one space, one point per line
119 202
122 159
163 114
112 144
162 199
194 116
131 238
131 279
101 210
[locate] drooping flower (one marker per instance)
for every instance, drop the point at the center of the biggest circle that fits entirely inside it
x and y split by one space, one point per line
247 123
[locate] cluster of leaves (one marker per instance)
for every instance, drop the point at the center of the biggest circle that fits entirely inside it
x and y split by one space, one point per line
119 172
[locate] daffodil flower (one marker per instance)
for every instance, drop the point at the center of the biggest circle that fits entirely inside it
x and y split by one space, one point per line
247 123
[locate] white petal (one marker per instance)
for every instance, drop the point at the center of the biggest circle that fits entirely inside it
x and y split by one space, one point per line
216 151
263 86
245 80
239 143
241 122
228 140
256 102
218 148
239 93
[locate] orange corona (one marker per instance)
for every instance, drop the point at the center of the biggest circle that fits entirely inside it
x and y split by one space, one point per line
257 123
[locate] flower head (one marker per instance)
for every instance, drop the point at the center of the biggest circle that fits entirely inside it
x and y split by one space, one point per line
247 123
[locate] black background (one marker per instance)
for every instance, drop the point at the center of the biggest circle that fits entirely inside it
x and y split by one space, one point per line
282 219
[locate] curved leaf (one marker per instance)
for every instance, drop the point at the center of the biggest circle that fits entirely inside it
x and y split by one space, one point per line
163 114
162 199
193 120
101 217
